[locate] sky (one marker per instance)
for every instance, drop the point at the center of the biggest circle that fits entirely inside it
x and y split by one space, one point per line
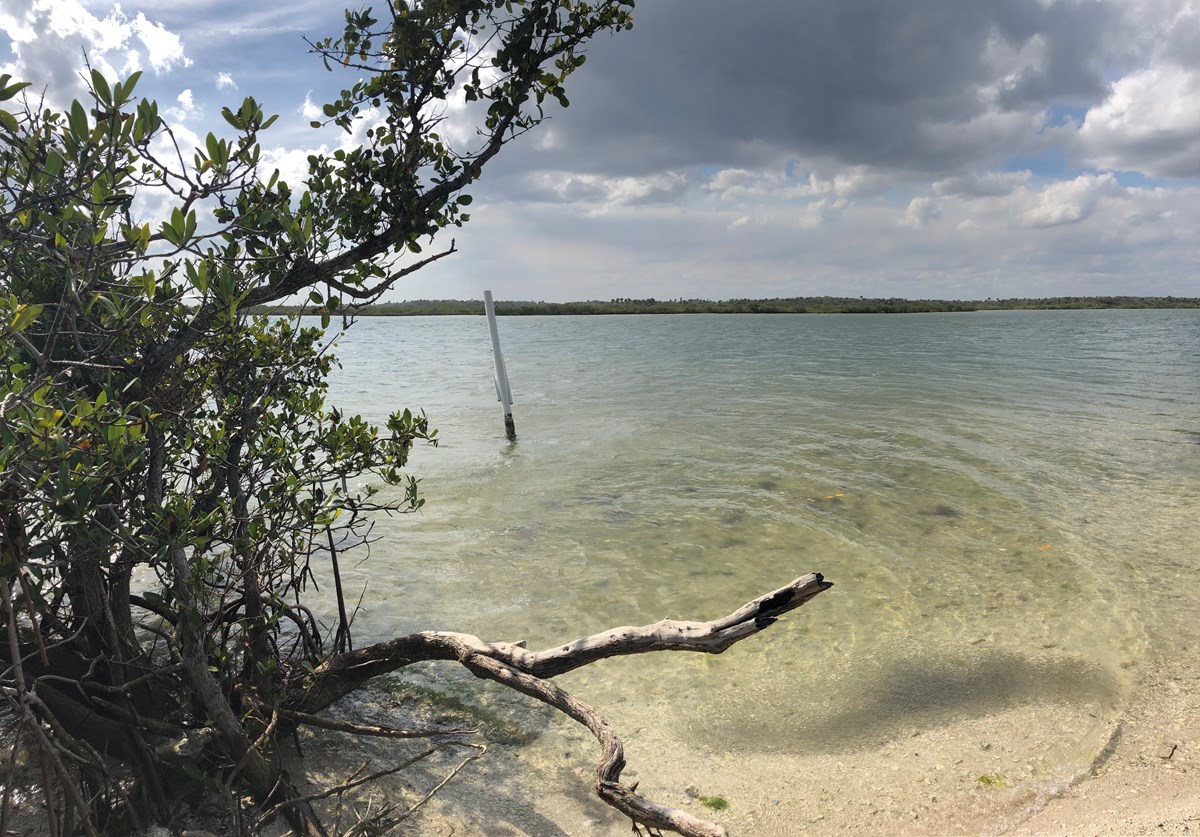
952 149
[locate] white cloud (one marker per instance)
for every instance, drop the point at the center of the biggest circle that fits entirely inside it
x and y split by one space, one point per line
981 185
821 212
1150 123
860 180
667 187
292 163
842 182
185 111
1134 241
1069 202
742 185
729 178
922 211
225 82
163 48
546 138
309 110
49 37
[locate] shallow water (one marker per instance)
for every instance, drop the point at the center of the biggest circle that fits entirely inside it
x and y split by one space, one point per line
1006 503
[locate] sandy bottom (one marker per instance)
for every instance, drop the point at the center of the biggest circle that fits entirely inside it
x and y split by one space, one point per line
1001 773
1148 781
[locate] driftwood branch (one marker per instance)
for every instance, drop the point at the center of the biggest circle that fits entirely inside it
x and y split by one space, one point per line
529 671
671 635
342 674
612 751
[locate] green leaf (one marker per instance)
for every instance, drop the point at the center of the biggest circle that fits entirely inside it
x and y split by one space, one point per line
77 121
25 316
100 86
107 304
54 163
127 87
7 91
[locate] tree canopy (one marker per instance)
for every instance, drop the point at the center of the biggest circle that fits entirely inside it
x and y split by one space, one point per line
152 430
171 474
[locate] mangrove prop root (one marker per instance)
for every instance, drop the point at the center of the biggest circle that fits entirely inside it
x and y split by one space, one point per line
528 672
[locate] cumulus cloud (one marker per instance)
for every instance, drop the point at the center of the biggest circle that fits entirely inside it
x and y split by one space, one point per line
815 136
839 128
934 86
728 179
310 110
1069 43
1150 123
1069 202
922 211
164 49
184 109
838 181
740 185
291 163
594 189
990 184
48 37
819 212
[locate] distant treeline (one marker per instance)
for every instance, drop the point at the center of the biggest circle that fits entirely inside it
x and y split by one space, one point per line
793 305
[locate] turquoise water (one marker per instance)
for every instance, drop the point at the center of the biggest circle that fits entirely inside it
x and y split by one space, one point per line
1006 502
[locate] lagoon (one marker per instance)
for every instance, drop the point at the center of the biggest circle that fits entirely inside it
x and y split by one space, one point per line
1007 503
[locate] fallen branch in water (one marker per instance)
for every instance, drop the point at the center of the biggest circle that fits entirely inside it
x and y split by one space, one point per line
528 672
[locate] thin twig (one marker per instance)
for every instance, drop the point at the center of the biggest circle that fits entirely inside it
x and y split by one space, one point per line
421 756
480 753
371 729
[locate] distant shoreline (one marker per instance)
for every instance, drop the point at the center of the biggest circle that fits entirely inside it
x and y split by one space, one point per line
794 305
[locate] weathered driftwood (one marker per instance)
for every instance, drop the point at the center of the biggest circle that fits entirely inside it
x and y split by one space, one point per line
528 671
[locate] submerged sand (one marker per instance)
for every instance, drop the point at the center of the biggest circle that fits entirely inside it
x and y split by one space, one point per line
997 774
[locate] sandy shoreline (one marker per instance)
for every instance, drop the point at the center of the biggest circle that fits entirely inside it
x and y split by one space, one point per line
926 780
1145 781
1149 800
1149 783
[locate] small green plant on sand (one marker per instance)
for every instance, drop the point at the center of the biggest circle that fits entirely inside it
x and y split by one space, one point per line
717 803
992 780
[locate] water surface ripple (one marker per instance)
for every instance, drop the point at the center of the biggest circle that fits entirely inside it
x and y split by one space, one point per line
1006 502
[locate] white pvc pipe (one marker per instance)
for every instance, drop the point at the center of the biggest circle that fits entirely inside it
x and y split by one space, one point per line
503 391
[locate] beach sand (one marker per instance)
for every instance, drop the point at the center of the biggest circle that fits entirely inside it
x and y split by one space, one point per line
1145 779
1149 780
1137 773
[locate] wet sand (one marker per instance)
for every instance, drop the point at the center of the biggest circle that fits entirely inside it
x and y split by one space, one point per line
989 775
